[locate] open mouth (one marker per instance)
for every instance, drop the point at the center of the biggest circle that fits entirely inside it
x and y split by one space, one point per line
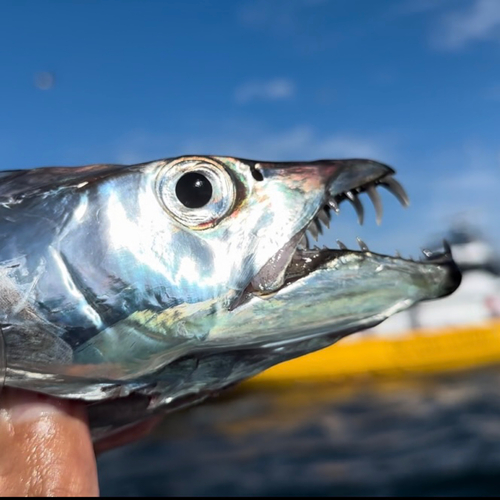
299 257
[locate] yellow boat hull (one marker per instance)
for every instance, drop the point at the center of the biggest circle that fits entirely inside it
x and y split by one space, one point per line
428 350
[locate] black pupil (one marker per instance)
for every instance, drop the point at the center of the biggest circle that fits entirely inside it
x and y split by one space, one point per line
193 190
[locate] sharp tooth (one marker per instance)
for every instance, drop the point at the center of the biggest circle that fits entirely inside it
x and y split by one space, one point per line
362 245
447 248
313 229
308 244
341 245
377 202
334 205
323 217
358 206
396 189
303 242
427 253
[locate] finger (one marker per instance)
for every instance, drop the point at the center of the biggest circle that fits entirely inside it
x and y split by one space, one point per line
45 447
128 435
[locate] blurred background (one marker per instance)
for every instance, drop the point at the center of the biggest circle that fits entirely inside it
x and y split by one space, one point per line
411 407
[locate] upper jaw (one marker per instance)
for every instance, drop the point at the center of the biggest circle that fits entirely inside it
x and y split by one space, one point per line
358 176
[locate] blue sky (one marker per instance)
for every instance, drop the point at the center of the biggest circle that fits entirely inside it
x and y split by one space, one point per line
415 84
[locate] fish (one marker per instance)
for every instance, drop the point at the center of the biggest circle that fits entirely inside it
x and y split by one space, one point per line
142 289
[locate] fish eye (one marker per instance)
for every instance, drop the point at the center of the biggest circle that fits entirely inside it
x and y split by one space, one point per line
197 192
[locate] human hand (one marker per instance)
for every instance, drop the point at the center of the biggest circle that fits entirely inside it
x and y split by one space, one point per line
46 448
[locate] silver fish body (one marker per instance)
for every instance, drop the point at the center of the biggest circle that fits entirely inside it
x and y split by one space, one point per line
148 287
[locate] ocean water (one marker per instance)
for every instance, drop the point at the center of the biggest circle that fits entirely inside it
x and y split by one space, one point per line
427 435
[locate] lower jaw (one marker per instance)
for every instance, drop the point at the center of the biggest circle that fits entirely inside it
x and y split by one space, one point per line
292 263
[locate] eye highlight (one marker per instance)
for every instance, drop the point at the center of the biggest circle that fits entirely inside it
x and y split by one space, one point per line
197 192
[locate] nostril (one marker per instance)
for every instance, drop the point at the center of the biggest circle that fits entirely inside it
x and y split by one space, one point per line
256 173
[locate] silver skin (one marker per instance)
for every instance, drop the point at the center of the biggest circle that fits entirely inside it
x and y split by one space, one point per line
115 292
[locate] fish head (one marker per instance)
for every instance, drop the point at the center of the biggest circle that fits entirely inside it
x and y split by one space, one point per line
256 228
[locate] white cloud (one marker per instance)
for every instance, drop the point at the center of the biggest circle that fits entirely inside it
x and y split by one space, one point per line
282 16
479 21
411 7
272 90
295 21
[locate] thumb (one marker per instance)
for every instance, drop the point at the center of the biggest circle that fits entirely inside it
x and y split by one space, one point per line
45 447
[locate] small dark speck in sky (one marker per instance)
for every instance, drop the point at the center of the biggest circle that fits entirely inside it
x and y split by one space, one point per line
44 80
